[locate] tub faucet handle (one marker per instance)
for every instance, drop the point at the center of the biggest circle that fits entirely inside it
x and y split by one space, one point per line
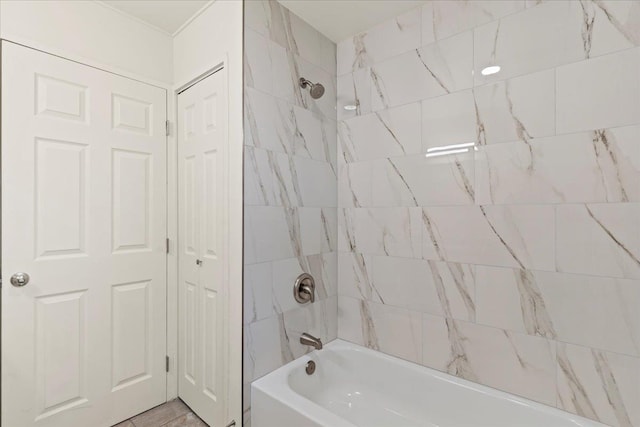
304 290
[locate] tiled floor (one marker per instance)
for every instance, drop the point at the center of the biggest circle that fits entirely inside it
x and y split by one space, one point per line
171 414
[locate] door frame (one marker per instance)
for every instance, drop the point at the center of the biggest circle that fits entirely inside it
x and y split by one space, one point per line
233 244
172 222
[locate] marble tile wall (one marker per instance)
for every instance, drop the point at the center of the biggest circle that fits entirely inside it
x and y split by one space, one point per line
489 226
290 172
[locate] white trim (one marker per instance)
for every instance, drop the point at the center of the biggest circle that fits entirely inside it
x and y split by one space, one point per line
193 82
172 256
70 56
201 73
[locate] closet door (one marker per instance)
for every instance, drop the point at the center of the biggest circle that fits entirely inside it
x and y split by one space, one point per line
84 215
202 345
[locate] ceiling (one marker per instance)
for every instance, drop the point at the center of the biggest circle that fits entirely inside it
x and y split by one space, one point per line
339 19
336 19
166 15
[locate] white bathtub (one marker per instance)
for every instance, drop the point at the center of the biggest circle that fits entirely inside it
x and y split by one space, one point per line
357 387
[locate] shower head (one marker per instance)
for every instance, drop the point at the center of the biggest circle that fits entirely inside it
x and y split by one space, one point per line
315 89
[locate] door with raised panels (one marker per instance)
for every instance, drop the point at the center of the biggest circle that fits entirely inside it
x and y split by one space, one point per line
202 118
84 215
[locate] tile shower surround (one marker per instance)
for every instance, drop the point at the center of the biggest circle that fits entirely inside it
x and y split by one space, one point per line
290 192
514 262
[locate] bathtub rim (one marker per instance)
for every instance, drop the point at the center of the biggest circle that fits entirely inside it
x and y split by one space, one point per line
276 385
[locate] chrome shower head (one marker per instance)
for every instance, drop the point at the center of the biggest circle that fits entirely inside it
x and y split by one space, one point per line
315 89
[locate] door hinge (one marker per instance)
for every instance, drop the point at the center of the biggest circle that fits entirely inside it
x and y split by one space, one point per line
167 126
167 245
231 424
167 363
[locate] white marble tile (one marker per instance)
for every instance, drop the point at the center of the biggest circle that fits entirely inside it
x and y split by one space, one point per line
258 177
623 20
592 311
380 231
432 287
265 347
456 287
304 182
513 299
258 70
599 239
599 93
307 134
509 236
310 230
376 326
441 19
265 122
330 143
324 269
393 37
517 109
355 276
531 3
318 319
597 166
354 89
328 230
536 39
516 363
614 25
430 71
276 233
273 342
328 55
599 385
552 34
354 185
286 180
284 275
448 120
309 44
280 26
423 181
317 182
277 21
258 292
393 132
311 135
285 75
256 17
266 235
405 283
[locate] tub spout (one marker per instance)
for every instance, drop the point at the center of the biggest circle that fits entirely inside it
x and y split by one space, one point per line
314 342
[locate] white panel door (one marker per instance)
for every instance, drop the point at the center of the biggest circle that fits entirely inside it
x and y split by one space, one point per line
84 214
202 136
